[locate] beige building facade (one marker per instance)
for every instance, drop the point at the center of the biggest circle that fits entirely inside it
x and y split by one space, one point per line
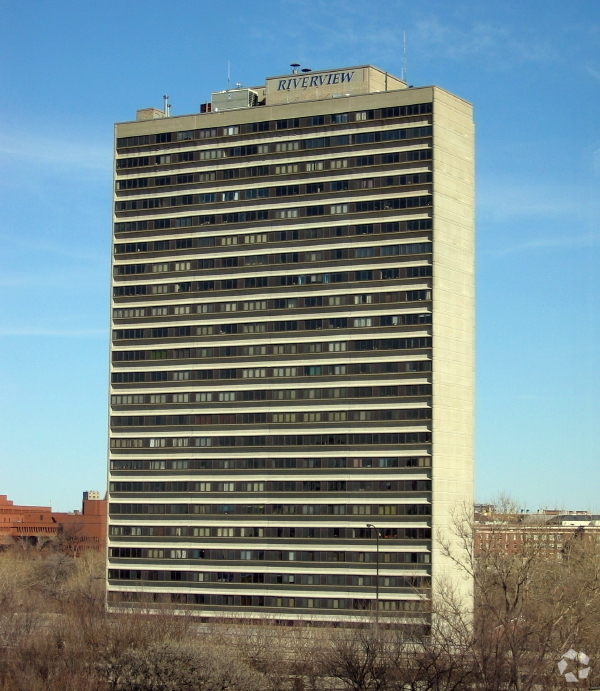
292 349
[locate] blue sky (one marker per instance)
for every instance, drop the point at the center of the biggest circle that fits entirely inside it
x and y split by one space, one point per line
69 70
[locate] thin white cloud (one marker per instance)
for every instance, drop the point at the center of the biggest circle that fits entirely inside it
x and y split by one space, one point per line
61 333
463 41
46 247
501 200
45 151
549 243
329 32
85 277
595 73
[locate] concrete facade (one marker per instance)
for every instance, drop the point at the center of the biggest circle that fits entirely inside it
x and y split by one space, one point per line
292 351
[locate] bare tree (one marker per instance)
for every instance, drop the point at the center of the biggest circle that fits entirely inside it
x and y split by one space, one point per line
362 658
530 607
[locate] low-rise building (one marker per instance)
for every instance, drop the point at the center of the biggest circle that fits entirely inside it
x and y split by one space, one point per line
71 532
550 531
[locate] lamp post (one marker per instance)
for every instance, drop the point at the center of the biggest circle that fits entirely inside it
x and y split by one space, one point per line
372 527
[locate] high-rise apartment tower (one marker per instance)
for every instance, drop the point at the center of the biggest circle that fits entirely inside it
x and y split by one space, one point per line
292 349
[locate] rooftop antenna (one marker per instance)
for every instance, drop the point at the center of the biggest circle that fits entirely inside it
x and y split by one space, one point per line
167 106
295 66
228 71
305 69
404 56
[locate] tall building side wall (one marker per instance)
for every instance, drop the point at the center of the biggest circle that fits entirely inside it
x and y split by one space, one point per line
453 335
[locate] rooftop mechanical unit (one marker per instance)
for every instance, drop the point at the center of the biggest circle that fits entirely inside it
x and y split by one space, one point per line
233 99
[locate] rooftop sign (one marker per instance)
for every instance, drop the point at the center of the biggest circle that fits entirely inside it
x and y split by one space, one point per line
305 82
349 81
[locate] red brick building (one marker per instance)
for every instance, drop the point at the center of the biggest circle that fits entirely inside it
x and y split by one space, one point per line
71 532
549 532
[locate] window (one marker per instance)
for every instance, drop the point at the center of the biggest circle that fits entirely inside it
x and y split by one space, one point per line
339 186
284 417
285 303
286 326
287 146
255 238
311 417
365 115
256 327
287 124
158 398
231 196
285 372
255 305
311 166
337 347
337 416
339 118
233 129
254 350
260 193
363 321
259 282
286 190
184 243
338 323
339 163
258 126
209 154
286 169
339 209
287 348
364 275
226 532
254 373
286 213
256 259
